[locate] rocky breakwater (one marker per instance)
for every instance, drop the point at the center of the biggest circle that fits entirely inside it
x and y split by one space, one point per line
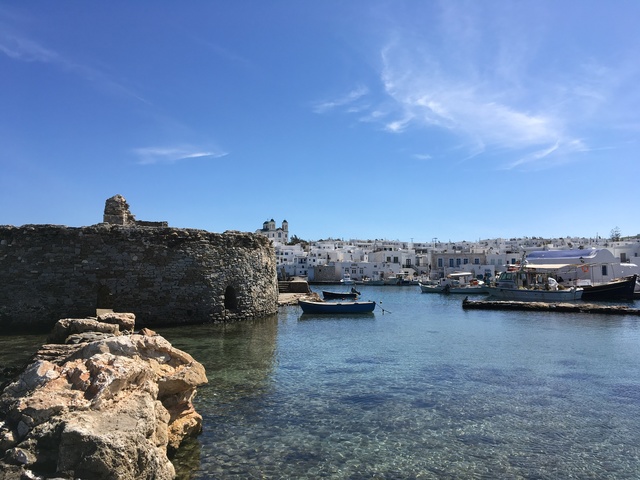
99 402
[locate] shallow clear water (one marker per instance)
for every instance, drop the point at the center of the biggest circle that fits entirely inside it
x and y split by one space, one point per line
427 391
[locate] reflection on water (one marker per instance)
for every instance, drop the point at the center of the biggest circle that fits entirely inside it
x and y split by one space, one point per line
15 352
429 391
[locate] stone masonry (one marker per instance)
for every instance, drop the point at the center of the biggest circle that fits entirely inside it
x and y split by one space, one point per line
165 276
116 212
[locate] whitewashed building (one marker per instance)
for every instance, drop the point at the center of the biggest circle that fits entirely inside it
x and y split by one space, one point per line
275 234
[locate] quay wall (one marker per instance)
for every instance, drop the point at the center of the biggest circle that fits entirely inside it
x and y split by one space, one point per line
164 275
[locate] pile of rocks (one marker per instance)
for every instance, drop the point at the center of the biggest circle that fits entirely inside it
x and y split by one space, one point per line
99 401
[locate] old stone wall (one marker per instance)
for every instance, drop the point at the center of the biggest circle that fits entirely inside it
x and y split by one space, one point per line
326 273
165 276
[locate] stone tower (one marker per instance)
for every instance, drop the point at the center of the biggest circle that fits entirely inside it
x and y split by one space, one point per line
116 211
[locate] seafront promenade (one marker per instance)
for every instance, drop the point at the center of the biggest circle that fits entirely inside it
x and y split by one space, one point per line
289 298
290 291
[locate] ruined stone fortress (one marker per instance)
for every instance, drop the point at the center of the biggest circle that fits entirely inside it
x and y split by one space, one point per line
164 275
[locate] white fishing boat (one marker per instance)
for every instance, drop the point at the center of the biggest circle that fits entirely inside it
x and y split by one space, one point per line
346 279
432 287
458 282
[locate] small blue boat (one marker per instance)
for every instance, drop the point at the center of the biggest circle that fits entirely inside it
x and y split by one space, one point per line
336 307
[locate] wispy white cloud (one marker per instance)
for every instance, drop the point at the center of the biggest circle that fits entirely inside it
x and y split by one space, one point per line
554 155
157 155
494 82
534 156
479 111
422 156
24 49
343 101
397 126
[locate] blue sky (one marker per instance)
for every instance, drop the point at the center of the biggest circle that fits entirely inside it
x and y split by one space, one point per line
454 120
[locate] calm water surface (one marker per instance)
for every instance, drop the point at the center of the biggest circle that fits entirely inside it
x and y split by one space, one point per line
426 391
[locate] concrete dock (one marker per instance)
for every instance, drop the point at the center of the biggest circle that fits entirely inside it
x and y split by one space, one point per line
549 307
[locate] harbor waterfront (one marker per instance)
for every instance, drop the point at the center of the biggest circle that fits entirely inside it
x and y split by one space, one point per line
424 389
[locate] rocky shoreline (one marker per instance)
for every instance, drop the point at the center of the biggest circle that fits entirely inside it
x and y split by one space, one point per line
99 401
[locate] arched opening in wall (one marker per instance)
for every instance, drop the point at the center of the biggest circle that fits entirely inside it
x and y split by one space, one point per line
230 299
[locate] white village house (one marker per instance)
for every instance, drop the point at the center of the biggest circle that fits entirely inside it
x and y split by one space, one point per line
329 260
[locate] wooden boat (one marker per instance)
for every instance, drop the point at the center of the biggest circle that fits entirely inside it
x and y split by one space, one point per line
535 295
459 282
336 307
432 288
619 289
353 294
527 287
468 289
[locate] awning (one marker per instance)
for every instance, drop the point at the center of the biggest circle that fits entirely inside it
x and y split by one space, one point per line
549 266
460 274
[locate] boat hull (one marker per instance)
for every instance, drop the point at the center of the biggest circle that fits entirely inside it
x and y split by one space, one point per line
432 288
527 295
614 290
339 295
425 288
468 290
336 307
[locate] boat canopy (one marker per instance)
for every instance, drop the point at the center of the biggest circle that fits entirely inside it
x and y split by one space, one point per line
459 274
574 253
548 266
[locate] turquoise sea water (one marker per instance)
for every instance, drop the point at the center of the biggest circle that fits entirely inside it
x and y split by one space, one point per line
427 391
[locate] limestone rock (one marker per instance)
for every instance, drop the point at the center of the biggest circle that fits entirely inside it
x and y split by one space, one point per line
69 326
126 321
105 409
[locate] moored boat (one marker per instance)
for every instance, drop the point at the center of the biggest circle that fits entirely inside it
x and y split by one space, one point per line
347 280
526 287
469 289
336 307
619 289
432 288
353 294
458 282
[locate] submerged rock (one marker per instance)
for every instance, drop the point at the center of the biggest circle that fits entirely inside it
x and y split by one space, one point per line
109 407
